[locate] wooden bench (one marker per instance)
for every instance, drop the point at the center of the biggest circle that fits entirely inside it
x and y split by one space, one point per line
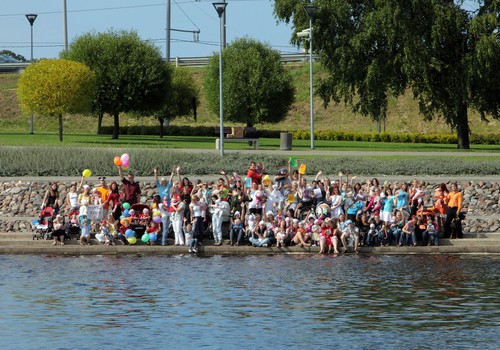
240 134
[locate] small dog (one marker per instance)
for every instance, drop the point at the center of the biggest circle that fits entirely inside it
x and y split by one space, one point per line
456 226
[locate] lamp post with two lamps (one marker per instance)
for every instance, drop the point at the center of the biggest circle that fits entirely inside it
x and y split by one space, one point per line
220 7
31 18
311 11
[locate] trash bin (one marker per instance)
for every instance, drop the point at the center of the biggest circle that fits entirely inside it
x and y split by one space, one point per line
286 141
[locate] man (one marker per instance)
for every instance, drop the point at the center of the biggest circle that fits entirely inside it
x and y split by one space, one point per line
255 173
132 189
104 191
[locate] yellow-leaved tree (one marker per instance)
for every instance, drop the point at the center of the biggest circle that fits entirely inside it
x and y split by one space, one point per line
54 87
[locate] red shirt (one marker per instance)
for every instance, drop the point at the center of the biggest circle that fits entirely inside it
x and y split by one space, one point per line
254 175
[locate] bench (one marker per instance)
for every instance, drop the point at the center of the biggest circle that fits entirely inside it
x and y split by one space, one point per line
239 134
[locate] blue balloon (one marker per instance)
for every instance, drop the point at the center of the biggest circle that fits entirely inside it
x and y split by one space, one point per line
126 213
129 233
153 237
122 217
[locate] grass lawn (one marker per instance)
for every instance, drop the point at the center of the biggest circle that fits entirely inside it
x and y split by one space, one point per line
198 142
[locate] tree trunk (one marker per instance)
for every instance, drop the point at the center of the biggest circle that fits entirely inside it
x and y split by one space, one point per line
378 125
161 126
116 127
99 122
60 128
463 130
194 108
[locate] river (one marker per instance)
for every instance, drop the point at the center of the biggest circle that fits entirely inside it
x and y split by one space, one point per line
250 302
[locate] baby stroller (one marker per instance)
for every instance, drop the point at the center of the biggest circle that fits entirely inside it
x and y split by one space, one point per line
141 221
43 227
73 226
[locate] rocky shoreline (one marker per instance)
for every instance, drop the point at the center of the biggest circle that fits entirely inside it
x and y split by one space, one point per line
20 203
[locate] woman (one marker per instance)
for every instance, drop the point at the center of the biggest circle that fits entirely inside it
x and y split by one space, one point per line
51 198
239 198
113 200
454 200
196 212
85 195
409 233
402 200
72 196
336 203
217 211
440 206
374 205
396 226
59 230
177 206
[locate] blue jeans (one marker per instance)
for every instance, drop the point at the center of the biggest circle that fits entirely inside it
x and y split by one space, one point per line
371 238
165 221
433 237
396 234
192 243
410 239
256 243
235 231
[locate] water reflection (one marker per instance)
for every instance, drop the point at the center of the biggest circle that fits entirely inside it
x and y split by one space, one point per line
280 301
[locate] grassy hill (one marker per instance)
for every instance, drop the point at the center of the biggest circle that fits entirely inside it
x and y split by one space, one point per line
402 113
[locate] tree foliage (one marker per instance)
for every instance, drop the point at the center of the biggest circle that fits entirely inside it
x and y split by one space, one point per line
256 87
131 75
56 87
182 98
374 49
14 55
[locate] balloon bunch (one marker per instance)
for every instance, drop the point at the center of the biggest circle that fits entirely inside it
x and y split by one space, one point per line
123 161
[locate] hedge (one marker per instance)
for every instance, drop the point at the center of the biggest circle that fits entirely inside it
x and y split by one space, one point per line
329 135
68 161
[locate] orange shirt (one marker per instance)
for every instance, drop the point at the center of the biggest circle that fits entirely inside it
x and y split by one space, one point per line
454 199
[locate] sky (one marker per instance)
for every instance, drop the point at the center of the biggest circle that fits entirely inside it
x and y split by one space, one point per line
252 18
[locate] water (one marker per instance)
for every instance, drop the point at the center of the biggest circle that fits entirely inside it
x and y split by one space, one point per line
249 302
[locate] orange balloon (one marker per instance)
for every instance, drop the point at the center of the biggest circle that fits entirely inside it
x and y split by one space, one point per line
117 161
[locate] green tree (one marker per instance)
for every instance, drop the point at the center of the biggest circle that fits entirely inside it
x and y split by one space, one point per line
131 75
373 49
182 99
56 87
256 87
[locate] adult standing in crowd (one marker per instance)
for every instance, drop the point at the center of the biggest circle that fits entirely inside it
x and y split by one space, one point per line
454 201
255 172
132 188
104 191
51 198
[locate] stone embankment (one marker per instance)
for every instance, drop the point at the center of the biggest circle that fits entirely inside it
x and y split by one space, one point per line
20 203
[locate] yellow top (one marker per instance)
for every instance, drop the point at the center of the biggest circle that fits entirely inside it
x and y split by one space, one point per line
454 199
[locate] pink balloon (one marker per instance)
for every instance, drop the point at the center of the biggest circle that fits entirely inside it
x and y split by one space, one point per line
125 163
124 157
157 219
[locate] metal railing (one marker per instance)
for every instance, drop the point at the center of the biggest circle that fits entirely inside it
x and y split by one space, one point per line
202 61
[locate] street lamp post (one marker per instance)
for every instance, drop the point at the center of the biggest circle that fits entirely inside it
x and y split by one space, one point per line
31 18
220 7
311 10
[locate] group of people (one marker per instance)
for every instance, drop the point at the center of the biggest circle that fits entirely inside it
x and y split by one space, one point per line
281 208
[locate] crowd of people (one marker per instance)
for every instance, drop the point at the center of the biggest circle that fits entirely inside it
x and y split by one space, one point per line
263 208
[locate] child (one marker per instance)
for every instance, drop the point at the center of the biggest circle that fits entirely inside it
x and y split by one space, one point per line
315 230
189 233
85 235
144 217
280 234
325 240
82 215
152 229
121 233
236 229
101 235
431 234
370 236
96 197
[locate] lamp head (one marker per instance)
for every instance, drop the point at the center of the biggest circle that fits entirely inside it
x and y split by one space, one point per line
31 18
220 7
